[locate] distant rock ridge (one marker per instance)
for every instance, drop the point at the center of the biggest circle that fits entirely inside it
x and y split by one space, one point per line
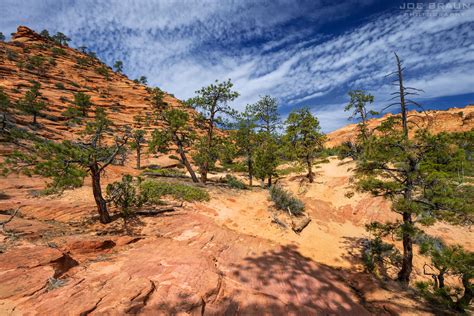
450 120
25 34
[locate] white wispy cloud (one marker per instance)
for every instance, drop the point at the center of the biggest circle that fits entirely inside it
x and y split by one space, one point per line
183 45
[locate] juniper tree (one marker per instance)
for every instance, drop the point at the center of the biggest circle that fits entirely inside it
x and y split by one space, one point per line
304 138
246 139
118 65
136 143
420 175
68 162
213 102
31 103
268 120
83 102
177 132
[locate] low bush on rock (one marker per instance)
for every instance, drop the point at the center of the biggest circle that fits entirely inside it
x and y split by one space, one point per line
152 191
285 201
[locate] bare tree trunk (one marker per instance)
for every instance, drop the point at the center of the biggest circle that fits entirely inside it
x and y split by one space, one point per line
407 259
250 167
466 299
402 97
138 156
310 170
99 199
185 160
34 118
269 180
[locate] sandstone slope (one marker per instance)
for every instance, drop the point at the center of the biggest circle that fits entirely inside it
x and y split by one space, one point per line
451 120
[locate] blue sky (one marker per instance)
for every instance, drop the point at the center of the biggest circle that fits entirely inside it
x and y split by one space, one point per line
305 53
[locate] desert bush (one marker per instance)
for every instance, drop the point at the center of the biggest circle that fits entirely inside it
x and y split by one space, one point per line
11 55
152 191
234 183
35 62
56 51
376 253
290 169
104 71
285 201
60 85
166 172
123 195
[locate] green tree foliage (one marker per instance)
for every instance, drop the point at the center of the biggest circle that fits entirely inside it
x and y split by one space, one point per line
212 101
177 132
142 80
2 37
118 66
152 191
60 39
68 162
45 34
83 102
5 105
267 119
266 157
304 137
104 71
420 175
157 96
246 139
449 260
358 105
31 103
136 143
122 194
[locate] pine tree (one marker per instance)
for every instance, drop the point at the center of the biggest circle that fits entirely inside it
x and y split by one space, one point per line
246 139
213 102
305 138
2 37
68 162
61 39
83 102
177 132
268 121
136 143
31 102
118 65
420 175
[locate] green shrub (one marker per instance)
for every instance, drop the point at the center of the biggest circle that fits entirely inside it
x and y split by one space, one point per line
174 157
285 201
234 183
35 62
60 85
123 195
11 55
104 71
152 191
289 170
56 51
166 172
